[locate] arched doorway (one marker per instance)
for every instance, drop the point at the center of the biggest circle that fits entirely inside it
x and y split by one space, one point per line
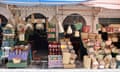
36 16
39 37
4 20
73 19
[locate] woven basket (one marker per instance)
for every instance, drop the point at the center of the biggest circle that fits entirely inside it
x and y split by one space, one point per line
92 35
103 29
108 42
98 36
84 35
116 29
86 28
87 62
118 57
109 29
107 51
114 39
16 60
66 58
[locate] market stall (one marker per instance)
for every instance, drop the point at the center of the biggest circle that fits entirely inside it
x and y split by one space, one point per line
61 34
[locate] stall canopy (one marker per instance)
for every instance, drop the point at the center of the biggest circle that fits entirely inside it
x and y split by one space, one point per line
109 4
41 2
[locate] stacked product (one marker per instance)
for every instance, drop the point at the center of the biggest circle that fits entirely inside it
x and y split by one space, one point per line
52 32
18 56
20 33
8 39
68 53
54 57
101 54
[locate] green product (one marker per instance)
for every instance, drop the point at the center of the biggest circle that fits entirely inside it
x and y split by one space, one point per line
11 64
78 26
98 26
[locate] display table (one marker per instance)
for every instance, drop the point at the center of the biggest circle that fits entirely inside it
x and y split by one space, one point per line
22 64
19 55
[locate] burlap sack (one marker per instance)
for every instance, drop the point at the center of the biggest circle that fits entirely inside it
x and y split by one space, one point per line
113 63
66 58
114 39
116 29
65 50
103 29
87 62
95 64
108 42
107 50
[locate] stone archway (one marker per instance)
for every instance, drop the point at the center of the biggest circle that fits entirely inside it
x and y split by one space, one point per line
76 41
37 16
4 20
39 37
72 19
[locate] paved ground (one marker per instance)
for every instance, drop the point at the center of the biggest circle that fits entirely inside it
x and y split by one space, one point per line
42 65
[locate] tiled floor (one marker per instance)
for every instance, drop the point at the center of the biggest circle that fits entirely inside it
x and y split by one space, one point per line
42 65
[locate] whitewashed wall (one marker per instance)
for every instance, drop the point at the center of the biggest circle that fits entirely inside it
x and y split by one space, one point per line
5 12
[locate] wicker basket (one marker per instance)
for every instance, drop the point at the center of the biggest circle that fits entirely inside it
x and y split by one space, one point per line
103 29
98 36
118 57
109 29
114 39
84 35
66 58
16 60
87 62
86 28
92 35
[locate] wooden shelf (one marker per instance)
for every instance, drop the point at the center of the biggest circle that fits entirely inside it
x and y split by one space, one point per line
8 34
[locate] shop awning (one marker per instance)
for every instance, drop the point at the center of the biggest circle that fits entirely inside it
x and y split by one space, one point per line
41 2
109 4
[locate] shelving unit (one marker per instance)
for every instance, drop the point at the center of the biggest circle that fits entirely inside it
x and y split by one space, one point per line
18 53
8 40
55 55
51 32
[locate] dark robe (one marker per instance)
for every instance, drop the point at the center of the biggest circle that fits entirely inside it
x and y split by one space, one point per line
79 48
40 42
